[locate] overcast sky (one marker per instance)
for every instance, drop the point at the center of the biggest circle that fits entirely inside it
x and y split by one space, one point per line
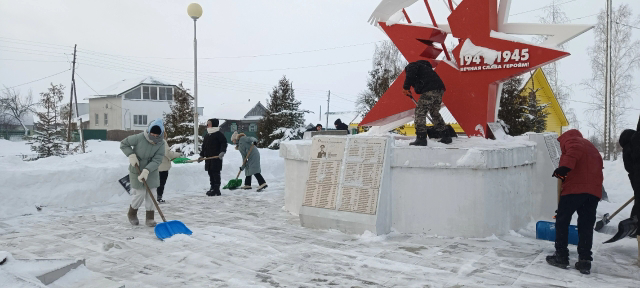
120 39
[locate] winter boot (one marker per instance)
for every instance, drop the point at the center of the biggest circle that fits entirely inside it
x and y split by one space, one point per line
246 187
262 187
210 192
216 191
584 266
558 261
445 140
133 216
421 139
150 222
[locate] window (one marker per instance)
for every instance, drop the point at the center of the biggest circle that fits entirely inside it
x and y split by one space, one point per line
133 94
165 93
106 119
234 127
97 119
140 120
153 92
145 92
253 127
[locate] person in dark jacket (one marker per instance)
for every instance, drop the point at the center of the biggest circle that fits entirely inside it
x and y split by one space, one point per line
580 170
427 83
213 144
630 143
316 128
341 126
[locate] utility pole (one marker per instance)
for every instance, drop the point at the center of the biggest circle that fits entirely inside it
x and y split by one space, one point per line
73 85
607 88
79 120
328 99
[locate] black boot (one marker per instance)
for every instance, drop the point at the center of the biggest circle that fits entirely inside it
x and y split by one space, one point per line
210 192
558 261
216 190
421 139
584 266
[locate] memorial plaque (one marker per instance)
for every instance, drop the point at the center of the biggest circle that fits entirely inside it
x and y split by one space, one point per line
362 175
324 172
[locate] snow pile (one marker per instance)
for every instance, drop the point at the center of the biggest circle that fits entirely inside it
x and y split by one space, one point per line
469 49
508 37
474 158
92 179
10 148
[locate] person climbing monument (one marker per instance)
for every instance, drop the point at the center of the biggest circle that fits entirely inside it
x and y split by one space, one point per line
427 83
213 144
630 143
580 170
146 151
246 146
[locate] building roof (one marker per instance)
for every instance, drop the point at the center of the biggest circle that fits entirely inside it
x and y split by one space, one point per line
127 84
539 82
256 113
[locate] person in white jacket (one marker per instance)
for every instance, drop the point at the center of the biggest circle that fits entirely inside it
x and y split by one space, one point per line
164 167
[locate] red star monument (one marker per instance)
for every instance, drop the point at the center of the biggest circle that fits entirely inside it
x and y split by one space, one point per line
484 59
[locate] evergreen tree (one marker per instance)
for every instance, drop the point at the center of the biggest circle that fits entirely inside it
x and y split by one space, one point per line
388 63
48 140
521 113
179 123
283 120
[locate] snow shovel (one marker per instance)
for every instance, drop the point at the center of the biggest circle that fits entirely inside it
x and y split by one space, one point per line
626 228
606 218
187 160
235 183
546 230
166 229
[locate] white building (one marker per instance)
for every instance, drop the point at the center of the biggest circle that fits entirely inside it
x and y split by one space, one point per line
131 104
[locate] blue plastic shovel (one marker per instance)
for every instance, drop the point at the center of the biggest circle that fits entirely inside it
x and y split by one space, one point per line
546 230
168 228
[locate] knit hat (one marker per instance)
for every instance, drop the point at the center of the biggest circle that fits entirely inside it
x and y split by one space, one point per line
214 122
156 130
234 137
337 122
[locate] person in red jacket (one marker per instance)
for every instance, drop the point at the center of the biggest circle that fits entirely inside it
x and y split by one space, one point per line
580 170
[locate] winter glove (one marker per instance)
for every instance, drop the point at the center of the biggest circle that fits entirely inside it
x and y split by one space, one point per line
143 175
221 155
200 159
241 168
133 160
561 172
255 143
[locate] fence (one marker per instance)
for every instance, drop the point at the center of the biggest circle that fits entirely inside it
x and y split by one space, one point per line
119 135
12 135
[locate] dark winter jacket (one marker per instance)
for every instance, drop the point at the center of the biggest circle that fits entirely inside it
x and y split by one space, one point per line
630 143
212 145
585 162
422 78
341 126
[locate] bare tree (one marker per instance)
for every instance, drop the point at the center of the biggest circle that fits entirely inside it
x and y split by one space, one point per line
16 106
388 63
553 14
625 58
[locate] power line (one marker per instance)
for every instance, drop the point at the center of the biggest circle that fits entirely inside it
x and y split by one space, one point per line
571 100
634 27
584 17
31 60
290 68
39 79
543 7
51 44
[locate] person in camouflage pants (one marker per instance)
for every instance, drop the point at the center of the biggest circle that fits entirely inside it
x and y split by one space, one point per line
430 103
427 83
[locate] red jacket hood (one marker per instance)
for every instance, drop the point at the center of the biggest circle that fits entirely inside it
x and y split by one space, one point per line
573 133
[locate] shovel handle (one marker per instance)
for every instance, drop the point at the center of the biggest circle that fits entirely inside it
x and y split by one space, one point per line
151 194
620 209
245 161
207 158
415 102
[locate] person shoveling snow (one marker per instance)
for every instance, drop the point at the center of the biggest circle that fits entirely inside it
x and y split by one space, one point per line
251 166
146 151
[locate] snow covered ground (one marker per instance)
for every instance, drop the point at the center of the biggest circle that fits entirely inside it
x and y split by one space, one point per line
245 239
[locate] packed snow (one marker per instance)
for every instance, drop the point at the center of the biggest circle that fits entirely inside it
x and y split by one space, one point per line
246 239
469 49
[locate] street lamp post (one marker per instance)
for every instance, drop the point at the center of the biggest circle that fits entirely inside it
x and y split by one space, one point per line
195 11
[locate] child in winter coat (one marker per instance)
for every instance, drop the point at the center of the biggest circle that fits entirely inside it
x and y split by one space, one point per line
213 144
252 166
630 143
581 174
146 151
165 166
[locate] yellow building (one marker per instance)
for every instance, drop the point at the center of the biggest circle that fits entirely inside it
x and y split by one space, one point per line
556 120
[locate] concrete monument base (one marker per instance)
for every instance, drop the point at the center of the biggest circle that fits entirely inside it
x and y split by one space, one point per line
471 188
